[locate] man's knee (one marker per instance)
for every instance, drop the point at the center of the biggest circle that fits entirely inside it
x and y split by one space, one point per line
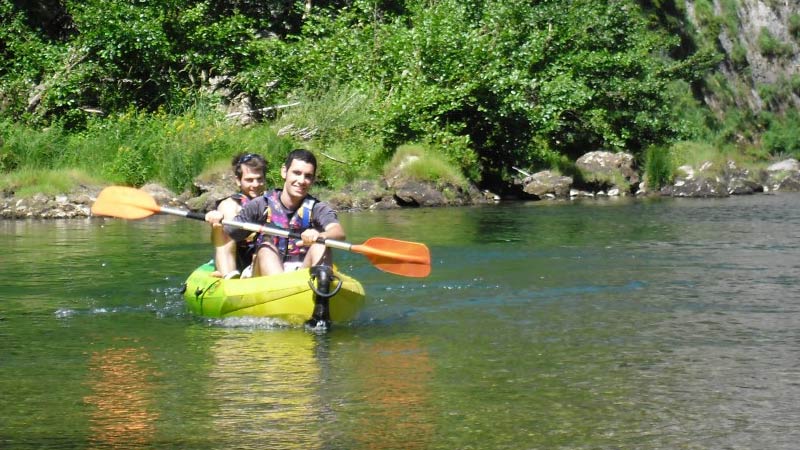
319 254
266 249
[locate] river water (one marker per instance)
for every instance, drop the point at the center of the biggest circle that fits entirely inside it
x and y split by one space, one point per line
665 323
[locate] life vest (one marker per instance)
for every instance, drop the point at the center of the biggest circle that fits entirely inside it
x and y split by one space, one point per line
277 215
240 198
244 249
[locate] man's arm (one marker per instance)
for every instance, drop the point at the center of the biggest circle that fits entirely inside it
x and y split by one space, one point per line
334 231
328 221
251 213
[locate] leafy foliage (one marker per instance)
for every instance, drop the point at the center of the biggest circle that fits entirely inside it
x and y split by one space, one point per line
487 84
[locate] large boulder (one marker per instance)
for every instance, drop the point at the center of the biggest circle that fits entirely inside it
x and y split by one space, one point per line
547 185
740 181
787 165
411 192
702 182
424 193
711 180
417 193
211 188
783 176
789 183
607 171
162 195
366 194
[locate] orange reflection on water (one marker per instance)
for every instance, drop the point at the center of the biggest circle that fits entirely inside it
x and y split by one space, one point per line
121 398
396 378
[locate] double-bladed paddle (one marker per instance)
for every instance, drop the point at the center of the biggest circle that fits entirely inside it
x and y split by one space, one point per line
410 259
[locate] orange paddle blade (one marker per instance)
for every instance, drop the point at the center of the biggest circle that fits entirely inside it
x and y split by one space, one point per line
125 203
410 259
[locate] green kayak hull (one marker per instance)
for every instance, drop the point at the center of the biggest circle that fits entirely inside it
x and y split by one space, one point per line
287 297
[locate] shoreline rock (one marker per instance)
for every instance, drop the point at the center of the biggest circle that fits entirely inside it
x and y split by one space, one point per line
606 174
364 195
703 182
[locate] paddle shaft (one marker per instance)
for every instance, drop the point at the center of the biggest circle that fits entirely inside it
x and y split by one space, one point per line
332 243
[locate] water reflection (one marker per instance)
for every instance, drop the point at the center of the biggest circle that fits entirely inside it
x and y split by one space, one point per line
670 324
396 376
122 398
290 389
266 383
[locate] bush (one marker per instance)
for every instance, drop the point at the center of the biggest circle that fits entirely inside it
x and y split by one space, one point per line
659 167
782 137
339 125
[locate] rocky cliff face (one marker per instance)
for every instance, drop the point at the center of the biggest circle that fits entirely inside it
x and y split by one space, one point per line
761 43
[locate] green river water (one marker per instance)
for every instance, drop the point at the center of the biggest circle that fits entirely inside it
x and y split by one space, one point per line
646 324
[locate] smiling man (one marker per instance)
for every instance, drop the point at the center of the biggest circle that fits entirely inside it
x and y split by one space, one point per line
291 208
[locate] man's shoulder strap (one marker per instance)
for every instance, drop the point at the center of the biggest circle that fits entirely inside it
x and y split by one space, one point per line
306 210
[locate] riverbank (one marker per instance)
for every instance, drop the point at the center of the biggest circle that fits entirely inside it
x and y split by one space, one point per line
604 175
362 196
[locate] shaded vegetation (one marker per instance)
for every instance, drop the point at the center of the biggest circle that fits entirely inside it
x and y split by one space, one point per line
135 91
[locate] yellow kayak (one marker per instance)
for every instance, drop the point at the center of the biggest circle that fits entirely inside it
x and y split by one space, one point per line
294 297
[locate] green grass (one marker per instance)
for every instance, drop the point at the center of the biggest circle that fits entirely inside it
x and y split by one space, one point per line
136 148
771 47
416 162
794 26
695 154
25 183
659 167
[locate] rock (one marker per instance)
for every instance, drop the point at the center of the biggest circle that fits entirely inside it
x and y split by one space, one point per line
701 187
576 193
222 179
740 181
605 170
542 184
787 165
161 195
789 183
415 193
361 195
396 174
741 186
490 196
709 181
696 183
210 189
204 202
783 176
409 191
240 109
387 203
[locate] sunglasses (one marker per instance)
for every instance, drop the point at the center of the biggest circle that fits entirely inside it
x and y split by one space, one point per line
247 157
